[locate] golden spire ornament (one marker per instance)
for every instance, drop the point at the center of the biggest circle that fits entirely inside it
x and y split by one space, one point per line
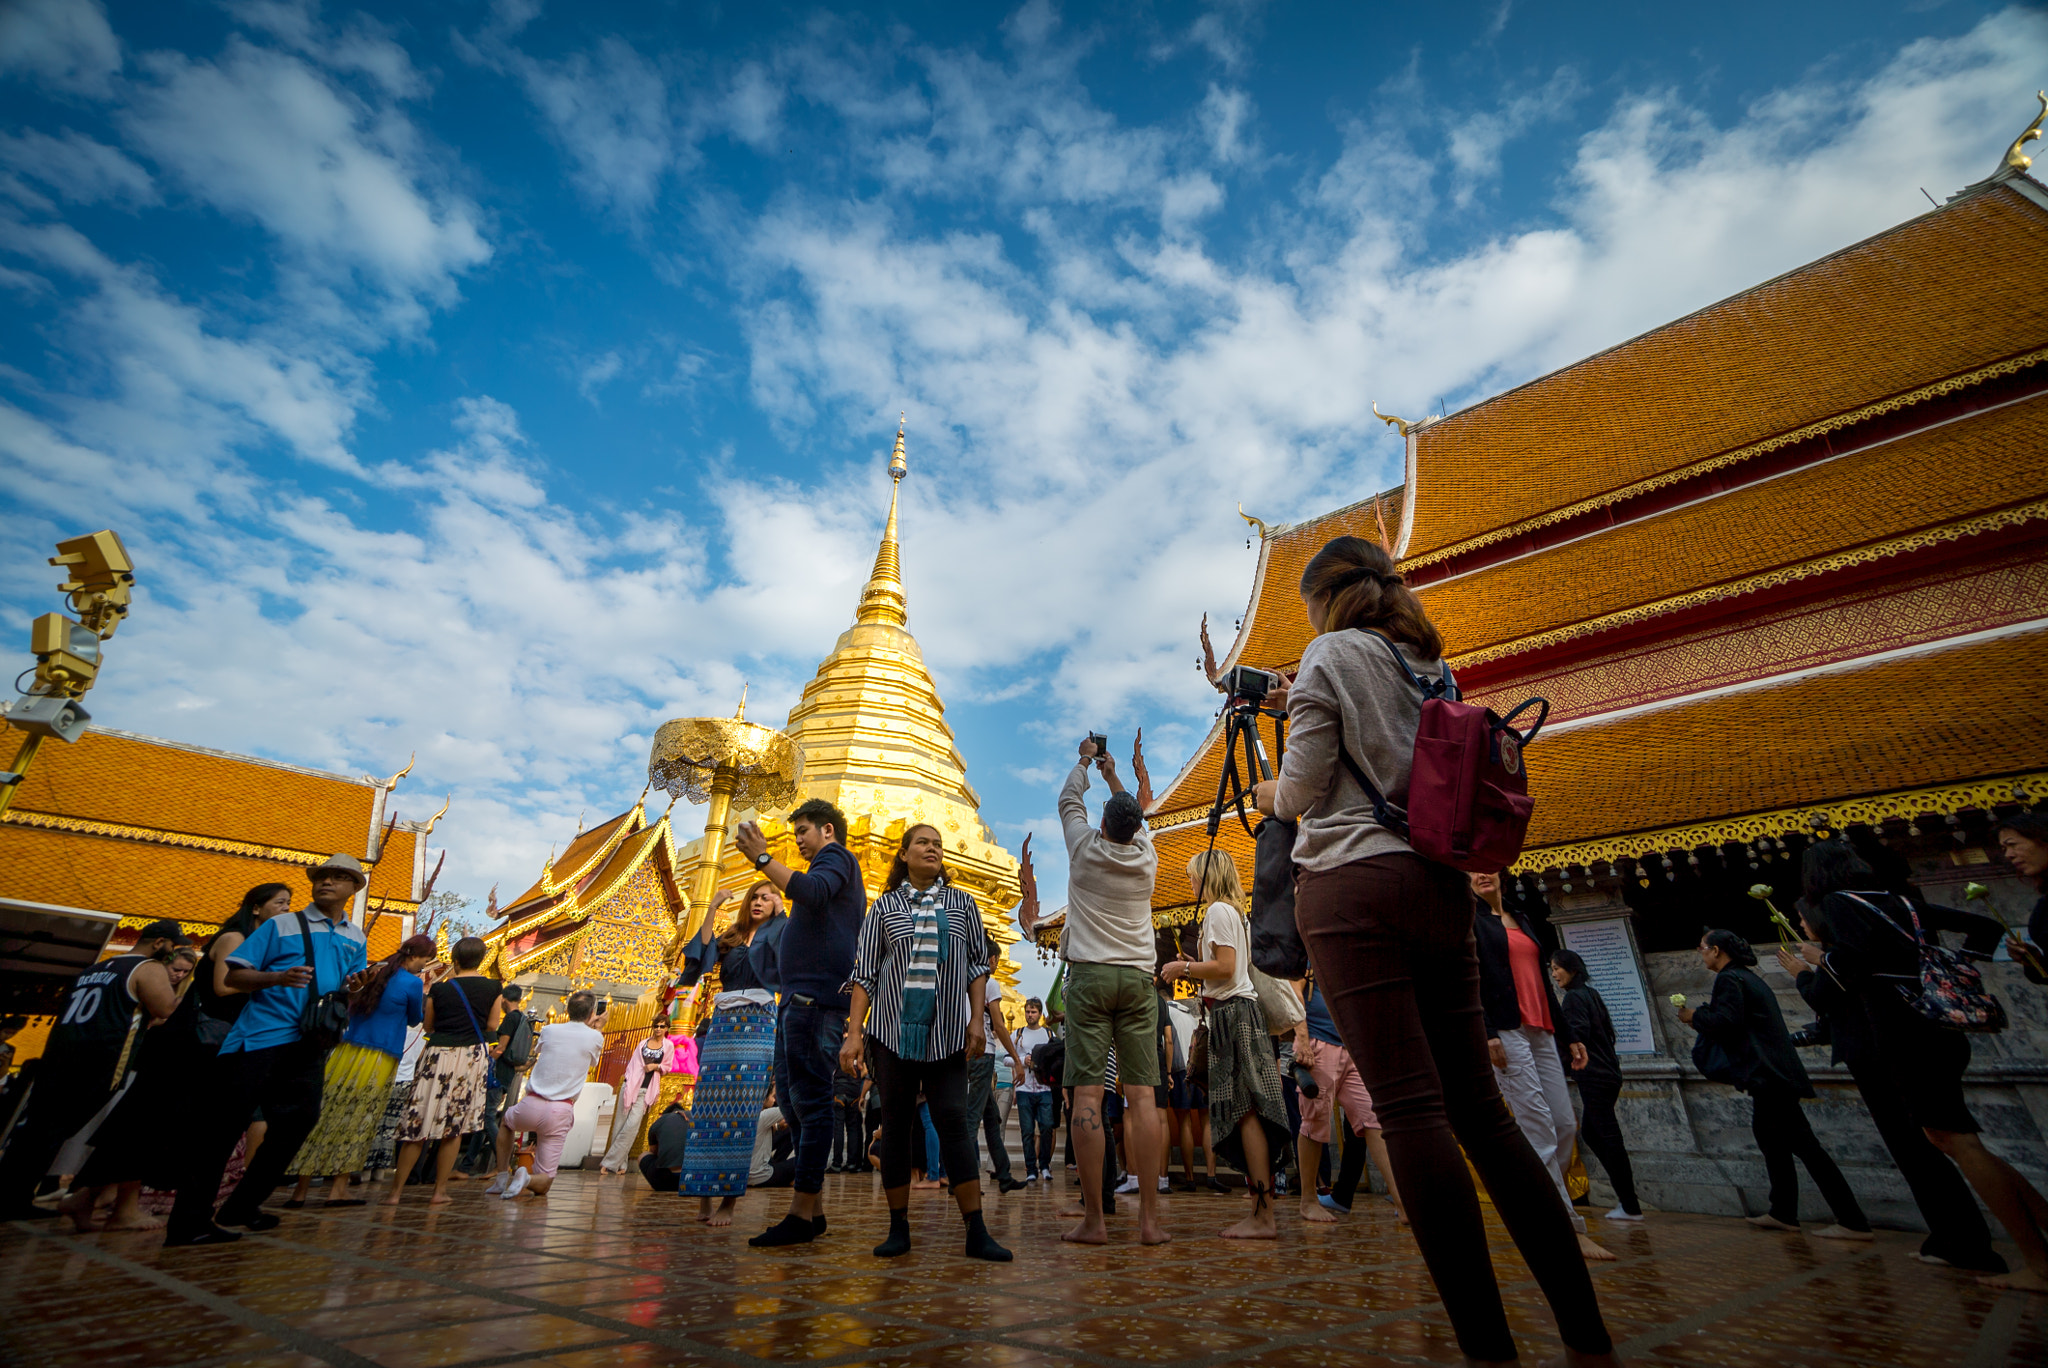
883 600
2016 159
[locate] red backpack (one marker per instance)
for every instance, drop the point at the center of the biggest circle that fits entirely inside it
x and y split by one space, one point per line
1468 790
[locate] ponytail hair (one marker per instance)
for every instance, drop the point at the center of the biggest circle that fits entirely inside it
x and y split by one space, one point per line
364 1000
1738 950
1361 588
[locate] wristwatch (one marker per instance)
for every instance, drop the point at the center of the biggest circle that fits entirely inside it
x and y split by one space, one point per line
761 860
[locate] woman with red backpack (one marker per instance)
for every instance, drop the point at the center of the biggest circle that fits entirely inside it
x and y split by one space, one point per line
1873 948
1389 934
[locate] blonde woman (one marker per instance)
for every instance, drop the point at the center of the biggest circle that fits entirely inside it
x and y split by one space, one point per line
1247 1118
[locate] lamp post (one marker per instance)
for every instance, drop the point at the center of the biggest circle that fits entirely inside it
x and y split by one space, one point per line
721 761
99 583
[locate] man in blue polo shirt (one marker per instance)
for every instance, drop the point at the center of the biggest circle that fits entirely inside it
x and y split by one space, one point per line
814 958
266 1061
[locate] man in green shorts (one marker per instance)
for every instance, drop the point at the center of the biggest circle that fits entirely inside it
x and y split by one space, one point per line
1111 999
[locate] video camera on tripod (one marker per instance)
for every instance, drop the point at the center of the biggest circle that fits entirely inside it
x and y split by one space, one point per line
1245 692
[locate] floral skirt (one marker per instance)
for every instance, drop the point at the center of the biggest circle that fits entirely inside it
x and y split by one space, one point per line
384 1146
447 1094
352 1101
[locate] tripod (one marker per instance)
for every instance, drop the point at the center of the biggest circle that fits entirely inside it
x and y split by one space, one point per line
1241 731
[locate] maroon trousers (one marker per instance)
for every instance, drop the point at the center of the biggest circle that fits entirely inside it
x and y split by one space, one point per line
1391 942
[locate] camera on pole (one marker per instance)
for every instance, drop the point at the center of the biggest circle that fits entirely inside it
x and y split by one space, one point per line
1245 692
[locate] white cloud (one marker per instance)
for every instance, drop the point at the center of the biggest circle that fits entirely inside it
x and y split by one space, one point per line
75 168
65 43
341 183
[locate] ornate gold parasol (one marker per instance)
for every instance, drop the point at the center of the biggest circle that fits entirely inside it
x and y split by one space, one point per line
722 760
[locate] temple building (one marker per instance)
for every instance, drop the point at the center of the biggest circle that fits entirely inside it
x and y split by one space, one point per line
111 833
605 914
1781 569
875 743
601 916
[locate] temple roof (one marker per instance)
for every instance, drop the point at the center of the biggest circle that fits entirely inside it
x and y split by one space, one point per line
1966 710
1897 490
146 828
1936 296
585 849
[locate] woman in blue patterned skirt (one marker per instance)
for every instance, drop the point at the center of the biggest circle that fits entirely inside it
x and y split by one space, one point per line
737 1063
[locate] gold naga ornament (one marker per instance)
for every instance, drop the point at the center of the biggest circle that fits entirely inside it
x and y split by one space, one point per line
722 761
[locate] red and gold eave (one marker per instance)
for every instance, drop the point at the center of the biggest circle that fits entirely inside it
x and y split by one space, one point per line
1768 562
574 888
149 828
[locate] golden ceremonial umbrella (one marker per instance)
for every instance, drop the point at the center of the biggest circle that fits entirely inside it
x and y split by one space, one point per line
722 760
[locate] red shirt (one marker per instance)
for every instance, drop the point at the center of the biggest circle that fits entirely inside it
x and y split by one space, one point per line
1525 961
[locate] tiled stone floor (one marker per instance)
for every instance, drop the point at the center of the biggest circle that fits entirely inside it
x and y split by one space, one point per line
604 1272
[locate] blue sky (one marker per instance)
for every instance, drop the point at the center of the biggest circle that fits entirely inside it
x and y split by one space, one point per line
497 381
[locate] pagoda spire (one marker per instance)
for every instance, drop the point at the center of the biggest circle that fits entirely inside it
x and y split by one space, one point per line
883 601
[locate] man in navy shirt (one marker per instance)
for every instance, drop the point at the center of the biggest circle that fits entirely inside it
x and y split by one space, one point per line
266 1061
813 960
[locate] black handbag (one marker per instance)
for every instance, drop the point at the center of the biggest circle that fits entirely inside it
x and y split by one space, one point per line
325 1016
1714 1062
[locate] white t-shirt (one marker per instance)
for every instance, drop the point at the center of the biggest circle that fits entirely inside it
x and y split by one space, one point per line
568 1052
1225 925
1029 1038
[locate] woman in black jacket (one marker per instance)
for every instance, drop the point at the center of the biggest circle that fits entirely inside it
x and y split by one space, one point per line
1872 953
1744 1021
1598 1075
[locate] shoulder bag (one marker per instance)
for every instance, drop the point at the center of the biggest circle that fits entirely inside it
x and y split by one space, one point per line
325 1015
1948 990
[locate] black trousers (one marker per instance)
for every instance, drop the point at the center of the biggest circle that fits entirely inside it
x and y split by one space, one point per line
1955 1228
658 1178
67 1092
1782 1134
852 1139
945 1092
1344 1191
1601 1133
992 1132
284 1080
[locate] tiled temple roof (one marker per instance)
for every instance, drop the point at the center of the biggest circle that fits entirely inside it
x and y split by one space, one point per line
1933 297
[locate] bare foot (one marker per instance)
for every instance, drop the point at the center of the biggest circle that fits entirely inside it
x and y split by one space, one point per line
1152 1233
1072 1210
392 1200
1088 1232
1593 1253
138 1222
1312 1211
458 1176
2025 1280
1254 1227
928 1185
439 1199
720 1217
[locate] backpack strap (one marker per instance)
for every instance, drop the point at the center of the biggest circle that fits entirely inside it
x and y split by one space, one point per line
1444 687
1392 818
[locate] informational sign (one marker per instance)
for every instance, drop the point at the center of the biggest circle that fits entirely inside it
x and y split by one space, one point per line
1611 969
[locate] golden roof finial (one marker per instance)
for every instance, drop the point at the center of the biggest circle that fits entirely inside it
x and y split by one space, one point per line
392 782
445 805
1401 425
741 715
2016 159
883 600
1255 522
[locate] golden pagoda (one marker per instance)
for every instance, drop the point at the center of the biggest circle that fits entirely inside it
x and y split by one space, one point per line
875 743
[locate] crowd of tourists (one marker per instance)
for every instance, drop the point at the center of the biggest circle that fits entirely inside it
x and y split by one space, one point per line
1435 1035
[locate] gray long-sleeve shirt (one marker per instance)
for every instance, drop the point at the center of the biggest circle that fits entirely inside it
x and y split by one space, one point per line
1109 887
1351 680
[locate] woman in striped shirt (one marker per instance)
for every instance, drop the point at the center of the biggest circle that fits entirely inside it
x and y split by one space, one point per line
917 981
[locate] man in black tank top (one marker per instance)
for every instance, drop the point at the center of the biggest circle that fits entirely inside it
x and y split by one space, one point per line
77 1070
